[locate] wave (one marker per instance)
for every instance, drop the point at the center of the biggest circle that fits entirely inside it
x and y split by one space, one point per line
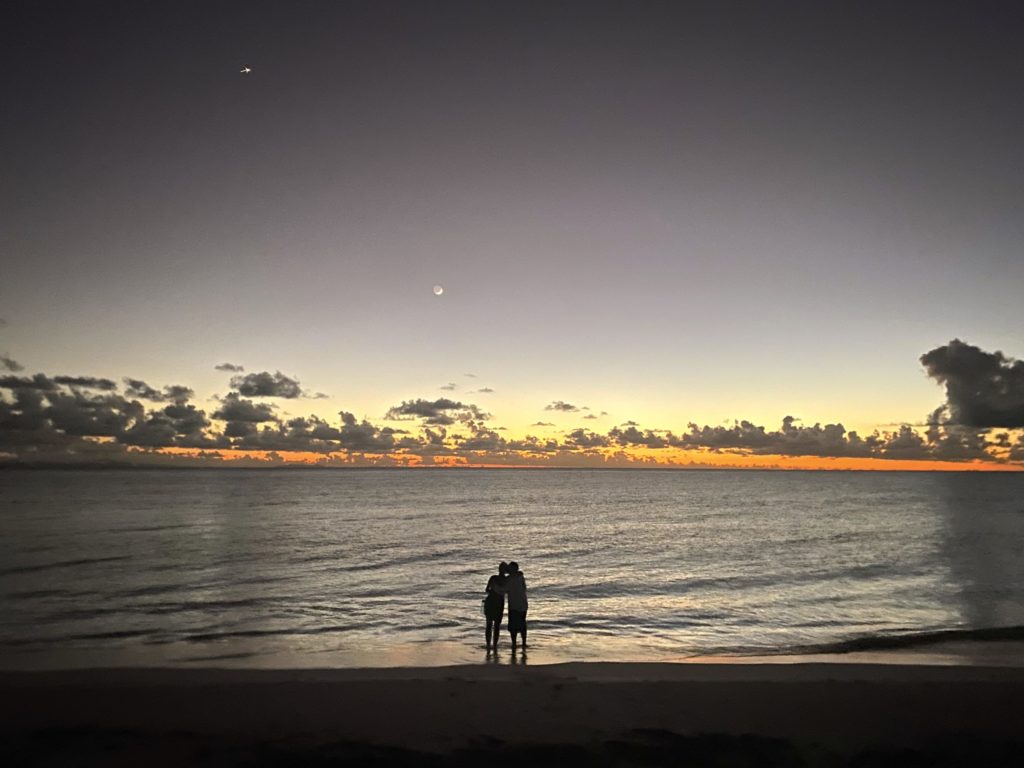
890 642
61 564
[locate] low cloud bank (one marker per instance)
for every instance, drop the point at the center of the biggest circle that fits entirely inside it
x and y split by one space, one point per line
84 418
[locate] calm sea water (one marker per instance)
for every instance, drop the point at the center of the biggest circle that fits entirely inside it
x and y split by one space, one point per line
377 567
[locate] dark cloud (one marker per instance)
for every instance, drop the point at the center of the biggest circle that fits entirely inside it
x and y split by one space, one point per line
364 437
590 416
451 386
25 414
483 440
82 414
1017 451
315 435
791 439
832 440
634 436
582 438
442 412
9 364
559 405
542 424
139 388
983 389
230 367
176 393
486 391
266 384
175 425
36 381
236 429
486 444
86 382
234 408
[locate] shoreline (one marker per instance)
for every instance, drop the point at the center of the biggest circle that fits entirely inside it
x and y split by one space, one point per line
579 712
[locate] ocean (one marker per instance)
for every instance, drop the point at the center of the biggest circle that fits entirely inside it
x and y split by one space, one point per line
326 568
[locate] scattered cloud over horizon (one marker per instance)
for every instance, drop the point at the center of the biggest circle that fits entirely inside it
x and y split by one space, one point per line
9 364
440 412
561 406
267 384
230 367
85 418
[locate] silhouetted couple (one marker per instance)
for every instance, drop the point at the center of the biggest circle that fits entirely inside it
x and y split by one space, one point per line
509 581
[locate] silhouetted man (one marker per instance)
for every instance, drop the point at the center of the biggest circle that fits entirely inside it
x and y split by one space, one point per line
515 588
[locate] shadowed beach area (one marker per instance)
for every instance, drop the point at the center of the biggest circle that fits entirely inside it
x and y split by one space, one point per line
793 714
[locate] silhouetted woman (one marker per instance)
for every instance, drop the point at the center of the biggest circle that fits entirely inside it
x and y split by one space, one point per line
494 605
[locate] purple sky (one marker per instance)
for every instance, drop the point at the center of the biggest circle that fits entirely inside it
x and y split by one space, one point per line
667 211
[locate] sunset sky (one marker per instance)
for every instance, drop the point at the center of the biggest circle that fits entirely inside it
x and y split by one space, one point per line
644 216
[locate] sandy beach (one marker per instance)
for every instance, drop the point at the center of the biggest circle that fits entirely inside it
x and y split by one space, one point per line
577 713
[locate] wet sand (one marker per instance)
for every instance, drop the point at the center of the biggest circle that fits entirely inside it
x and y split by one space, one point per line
577 713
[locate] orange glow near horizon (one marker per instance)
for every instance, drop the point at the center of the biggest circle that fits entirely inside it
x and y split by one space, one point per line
639 458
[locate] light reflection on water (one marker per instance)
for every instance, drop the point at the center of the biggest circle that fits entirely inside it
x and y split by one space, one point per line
359 568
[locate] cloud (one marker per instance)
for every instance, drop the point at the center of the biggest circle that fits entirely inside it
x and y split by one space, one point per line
469 375
315 435
43 382
442 412
230 367
10 365
542 424
590 416
176 393
983 389
485 391
582 438
86 382
82 414
634 436
559 405
139 388
451 386
176 425
36 381
266 384
234 408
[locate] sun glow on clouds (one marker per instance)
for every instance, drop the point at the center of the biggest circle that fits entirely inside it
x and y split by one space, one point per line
606 459
90 419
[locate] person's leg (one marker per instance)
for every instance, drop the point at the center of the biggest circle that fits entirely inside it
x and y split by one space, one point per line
497 633
492 631
524 631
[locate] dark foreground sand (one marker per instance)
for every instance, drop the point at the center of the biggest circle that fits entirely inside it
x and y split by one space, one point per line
569 714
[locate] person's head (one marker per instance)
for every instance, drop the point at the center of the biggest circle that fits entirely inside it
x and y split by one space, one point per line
502 568
513 567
